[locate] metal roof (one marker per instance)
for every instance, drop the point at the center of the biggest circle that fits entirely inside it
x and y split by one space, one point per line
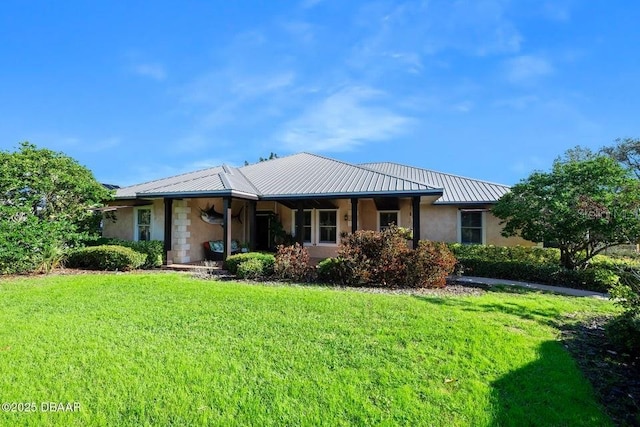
206 180
457 189
310 175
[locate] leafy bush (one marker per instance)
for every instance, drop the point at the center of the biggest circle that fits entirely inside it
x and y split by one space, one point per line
429 265
372 257
383 258
153 249
29 244
293 263
526 254
541 265
625 329
593 278
106 257
331 270
268 260
250 269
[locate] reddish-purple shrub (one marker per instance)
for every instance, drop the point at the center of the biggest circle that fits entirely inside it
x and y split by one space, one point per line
371 257
429 265
293 263
384 258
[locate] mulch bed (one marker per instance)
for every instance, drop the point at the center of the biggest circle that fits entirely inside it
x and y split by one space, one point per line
614 375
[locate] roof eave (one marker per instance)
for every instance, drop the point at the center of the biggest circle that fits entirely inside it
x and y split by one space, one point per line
196 194
348 195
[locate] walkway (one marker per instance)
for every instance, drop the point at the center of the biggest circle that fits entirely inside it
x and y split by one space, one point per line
488 282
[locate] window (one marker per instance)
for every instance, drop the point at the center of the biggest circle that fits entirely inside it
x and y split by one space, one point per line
306 227
328 226
386 218
471 227
143 224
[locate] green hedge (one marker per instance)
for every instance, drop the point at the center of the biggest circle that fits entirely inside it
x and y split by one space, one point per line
153 249
267 259
534 264
106 257
593 278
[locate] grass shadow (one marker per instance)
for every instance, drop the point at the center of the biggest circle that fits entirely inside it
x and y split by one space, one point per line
548 392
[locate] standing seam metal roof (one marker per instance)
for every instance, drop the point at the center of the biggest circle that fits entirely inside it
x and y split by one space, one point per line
311 175
457 189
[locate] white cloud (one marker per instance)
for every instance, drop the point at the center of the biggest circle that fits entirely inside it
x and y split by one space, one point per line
154 71
342 121
527 68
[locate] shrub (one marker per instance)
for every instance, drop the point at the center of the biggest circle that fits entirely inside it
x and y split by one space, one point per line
371 257
331 270
106 257
293 263
250 269
429 265
526 254
268 260
624 332
29 244
153 249
625 329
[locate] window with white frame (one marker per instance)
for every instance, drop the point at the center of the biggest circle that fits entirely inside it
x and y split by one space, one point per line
327 226
306 227
386 218
471 227
143 224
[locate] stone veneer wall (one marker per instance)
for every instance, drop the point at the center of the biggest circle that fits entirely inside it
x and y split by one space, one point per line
181 231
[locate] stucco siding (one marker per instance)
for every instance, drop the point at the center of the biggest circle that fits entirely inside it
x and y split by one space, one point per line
439 223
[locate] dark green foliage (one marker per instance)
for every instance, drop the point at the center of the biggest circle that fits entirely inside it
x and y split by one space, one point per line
153 249
331 270
584 205
530 264
506 253
106 257
252 269
625 329
45 202
293 263
267 260
29 244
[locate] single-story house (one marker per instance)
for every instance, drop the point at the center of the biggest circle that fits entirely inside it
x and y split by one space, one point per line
310 197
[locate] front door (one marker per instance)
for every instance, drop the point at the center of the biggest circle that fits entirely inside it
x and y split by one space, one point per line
263 231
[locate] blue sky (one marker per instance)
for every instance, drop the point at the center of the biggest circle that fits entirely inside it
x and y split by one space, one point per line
491 89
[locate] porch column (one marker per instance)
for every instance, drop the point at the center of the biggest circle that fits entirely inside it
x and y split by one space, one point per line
168 220
415 203
226 227
300 224
354 215
252 224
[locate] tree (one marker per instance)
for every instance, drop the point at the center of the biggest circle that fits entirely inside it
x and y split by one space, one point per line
45 202
627 152
272 156
583 206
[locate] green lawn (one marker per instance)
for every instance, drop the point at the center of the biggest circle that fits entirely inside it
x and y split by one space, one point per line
166 349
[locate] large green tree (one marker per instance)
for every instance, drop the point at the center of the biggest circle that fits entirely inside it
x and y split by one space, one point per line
45 204
583 205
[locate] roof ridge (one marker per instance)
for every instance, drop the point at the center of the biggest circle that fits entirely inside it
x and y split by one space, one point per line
438 172
371 170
